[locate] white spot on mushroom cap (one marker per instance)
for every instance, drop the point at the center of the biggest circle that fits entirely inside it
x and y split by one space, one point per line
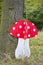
24 23
18 34
28 27
16 22
13 28
10 33
20 26
23 31
28 35
35 35
34 30
32 23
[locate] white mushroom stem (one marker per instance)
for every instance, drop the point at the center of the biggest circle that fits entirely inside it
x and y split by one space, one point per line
22 49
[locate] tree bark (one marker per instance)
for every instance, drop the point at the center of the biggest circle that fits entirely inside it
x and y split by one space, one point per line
12 11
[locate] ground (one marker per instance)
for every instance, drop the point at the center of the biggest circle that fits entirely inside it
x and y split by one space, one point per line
36 58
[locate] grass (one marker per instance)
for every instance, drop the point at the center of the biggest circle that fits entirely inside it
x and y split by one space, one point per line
36 58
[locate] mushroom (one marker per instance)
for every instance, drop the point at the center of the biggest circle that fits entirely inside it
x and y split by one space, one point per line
23 30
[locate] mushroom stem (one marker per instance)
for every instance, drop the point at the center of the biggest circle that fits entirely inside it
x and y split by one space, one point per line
22 49
27 48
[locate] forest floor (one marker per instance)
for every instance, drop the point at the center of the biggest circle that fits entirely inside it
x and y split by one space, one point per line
36 58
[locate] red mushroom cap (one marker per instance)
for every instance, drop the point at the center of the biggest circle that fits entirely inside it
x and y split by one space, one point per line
24 29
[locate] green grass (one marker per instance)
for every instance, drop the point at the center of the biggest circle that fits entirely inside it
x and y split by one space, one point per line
36 58
1 4
37 40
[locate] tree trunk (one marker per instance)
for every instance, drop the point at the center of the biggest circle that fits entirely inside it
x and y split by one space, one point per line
12 11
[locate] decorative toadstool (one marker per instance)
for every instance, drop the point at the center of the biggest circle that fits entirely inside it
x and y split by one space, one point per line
23 30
